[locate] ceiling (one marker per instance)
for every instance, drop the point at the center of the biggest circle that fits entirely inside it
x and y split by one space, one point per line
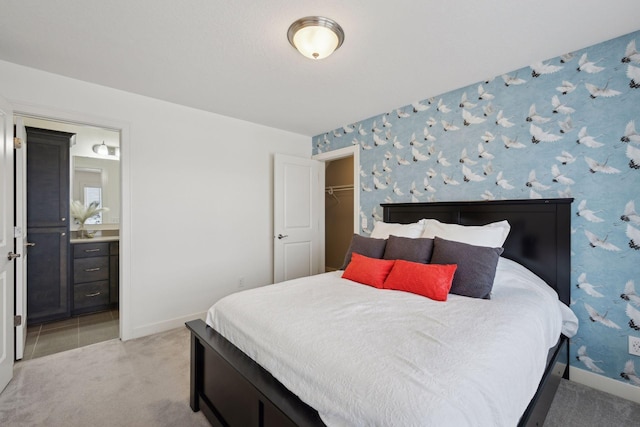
233 57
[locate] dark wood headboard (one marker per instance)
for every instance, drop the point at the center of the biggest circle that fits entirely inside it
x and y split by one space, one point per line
540 236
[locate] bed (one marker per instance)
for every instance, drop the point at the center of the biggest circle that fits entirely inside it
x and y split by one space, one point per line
233 389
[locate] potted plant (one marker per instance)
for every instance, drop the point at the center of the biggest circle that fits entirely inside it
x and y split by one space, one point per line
81 213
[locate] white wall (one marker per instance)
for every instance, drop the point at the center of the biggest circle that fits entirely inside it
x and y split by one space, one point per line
197 194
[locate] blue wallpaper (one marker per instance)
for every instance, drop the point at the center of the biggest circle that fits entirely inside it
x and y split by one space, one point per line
564 127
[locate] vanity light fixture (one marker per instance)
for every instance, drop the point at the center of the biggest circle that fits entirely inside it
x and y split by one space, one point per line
106 150
101 149
315 37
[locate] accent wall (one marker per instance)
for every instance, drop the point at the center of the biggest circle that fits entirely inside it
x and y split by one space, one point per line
564 127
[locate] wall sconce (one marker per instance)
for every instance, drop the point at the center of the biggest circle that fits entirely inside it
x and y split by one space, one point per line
106 150
101 149
315 37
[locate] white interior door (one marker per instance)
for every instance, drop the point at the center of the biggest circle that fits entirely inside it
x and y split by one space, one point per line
298 204
21 238
6 244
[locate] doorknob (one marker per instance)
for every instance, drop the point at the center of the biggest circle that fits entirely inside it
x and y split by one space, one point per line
29 244
282 236
11 256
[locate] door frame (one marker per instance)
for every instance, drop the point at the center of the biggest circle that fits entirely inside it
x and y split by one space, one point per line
340 154
7 245
20 199
53 114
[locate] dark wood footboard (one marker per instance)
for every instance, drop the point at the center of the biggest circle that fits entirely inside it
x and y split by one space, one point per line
233 390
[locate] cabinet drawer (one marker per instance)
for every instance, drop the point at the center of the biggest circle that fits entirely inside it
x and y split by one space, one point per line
86 250
90 294
90 269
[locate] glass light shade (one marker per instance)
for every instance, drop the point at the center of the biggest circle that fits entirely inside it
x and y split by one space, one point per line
315 42
101 149
315 37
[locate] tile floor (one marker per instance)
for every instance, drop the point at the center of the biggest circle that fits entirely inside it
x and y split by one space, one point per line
79 331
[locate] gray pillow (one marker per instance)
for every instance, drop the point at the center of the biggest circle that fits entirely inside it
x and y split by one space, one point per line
476 266
372 248
408 249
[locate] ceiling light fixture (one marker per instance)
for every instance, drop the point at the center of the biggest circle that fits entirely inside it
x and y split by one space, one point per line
315 37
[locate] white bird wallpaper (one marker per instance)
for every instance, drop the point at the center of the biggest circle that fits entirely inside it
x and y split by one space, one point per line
564 127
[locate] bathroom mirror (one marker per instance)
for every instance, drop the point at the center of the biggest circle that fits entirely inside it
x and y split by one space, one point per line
96 179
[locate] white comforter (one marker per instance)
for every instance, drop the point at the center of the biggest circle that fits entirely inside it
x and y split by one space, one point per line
368 357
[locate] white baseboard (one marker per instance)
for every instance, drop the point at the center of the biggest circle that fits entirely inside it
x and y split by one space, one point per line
165 325
608 385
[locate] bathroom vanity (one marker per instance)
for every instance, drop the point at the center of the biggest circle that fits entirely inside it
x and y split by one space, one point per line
95 265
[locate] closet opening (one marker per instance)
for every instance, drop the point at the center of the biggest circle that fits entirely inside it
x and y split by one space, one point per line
341 203
338 208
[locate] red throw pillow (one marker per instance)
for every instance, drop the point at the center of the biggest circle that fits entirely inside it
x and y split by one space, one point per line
369 271
429 280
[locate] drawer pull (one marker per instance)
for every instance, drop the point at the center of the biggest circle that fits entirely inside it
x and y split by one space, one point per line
95 294
92 250
92 269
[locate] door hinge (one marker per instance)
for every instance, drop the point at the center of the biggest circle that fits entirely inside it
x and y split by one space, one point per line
17 320
17 143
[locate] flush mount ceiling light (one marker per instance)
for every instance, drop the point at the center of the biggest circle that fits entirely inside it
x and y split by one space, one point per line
315 37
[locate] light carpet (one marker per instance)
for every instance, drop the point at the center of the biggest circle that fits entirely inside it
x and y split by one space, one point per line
145 382
576 405
141 382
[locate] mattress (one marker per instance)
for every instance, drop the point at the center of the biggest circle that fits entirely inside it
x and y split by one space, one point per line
366 356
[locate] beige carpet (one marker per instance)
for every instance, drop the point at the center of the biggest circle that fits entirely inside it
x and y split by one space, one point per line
145 382
576 405
142 382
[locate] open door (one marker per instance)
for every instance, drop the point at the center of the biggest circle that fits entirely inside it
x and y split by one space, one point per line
21 239
7 254
298 203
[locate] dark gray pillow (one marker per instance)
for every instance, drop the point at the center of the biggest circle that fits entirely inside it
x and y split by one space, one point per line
372 248
408 249
476 266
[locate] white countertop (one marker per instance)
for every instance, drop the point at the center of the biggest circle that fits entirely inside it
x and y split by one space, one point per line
95 239
99 236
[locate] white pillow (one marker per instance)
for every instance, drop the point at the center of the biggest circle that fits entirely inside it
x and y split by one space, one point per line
382 230
491 235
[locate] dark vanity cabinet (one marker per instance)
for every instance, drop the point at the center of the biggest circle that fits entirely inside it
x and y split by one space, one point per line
95 276
114 274
47 225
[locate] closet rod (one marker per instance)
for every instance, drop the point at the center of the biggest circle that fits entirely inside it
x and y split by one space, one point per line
334 188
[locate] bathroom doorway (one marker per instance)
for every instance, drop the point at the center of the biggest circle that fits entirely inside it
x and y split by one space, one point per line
90 316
